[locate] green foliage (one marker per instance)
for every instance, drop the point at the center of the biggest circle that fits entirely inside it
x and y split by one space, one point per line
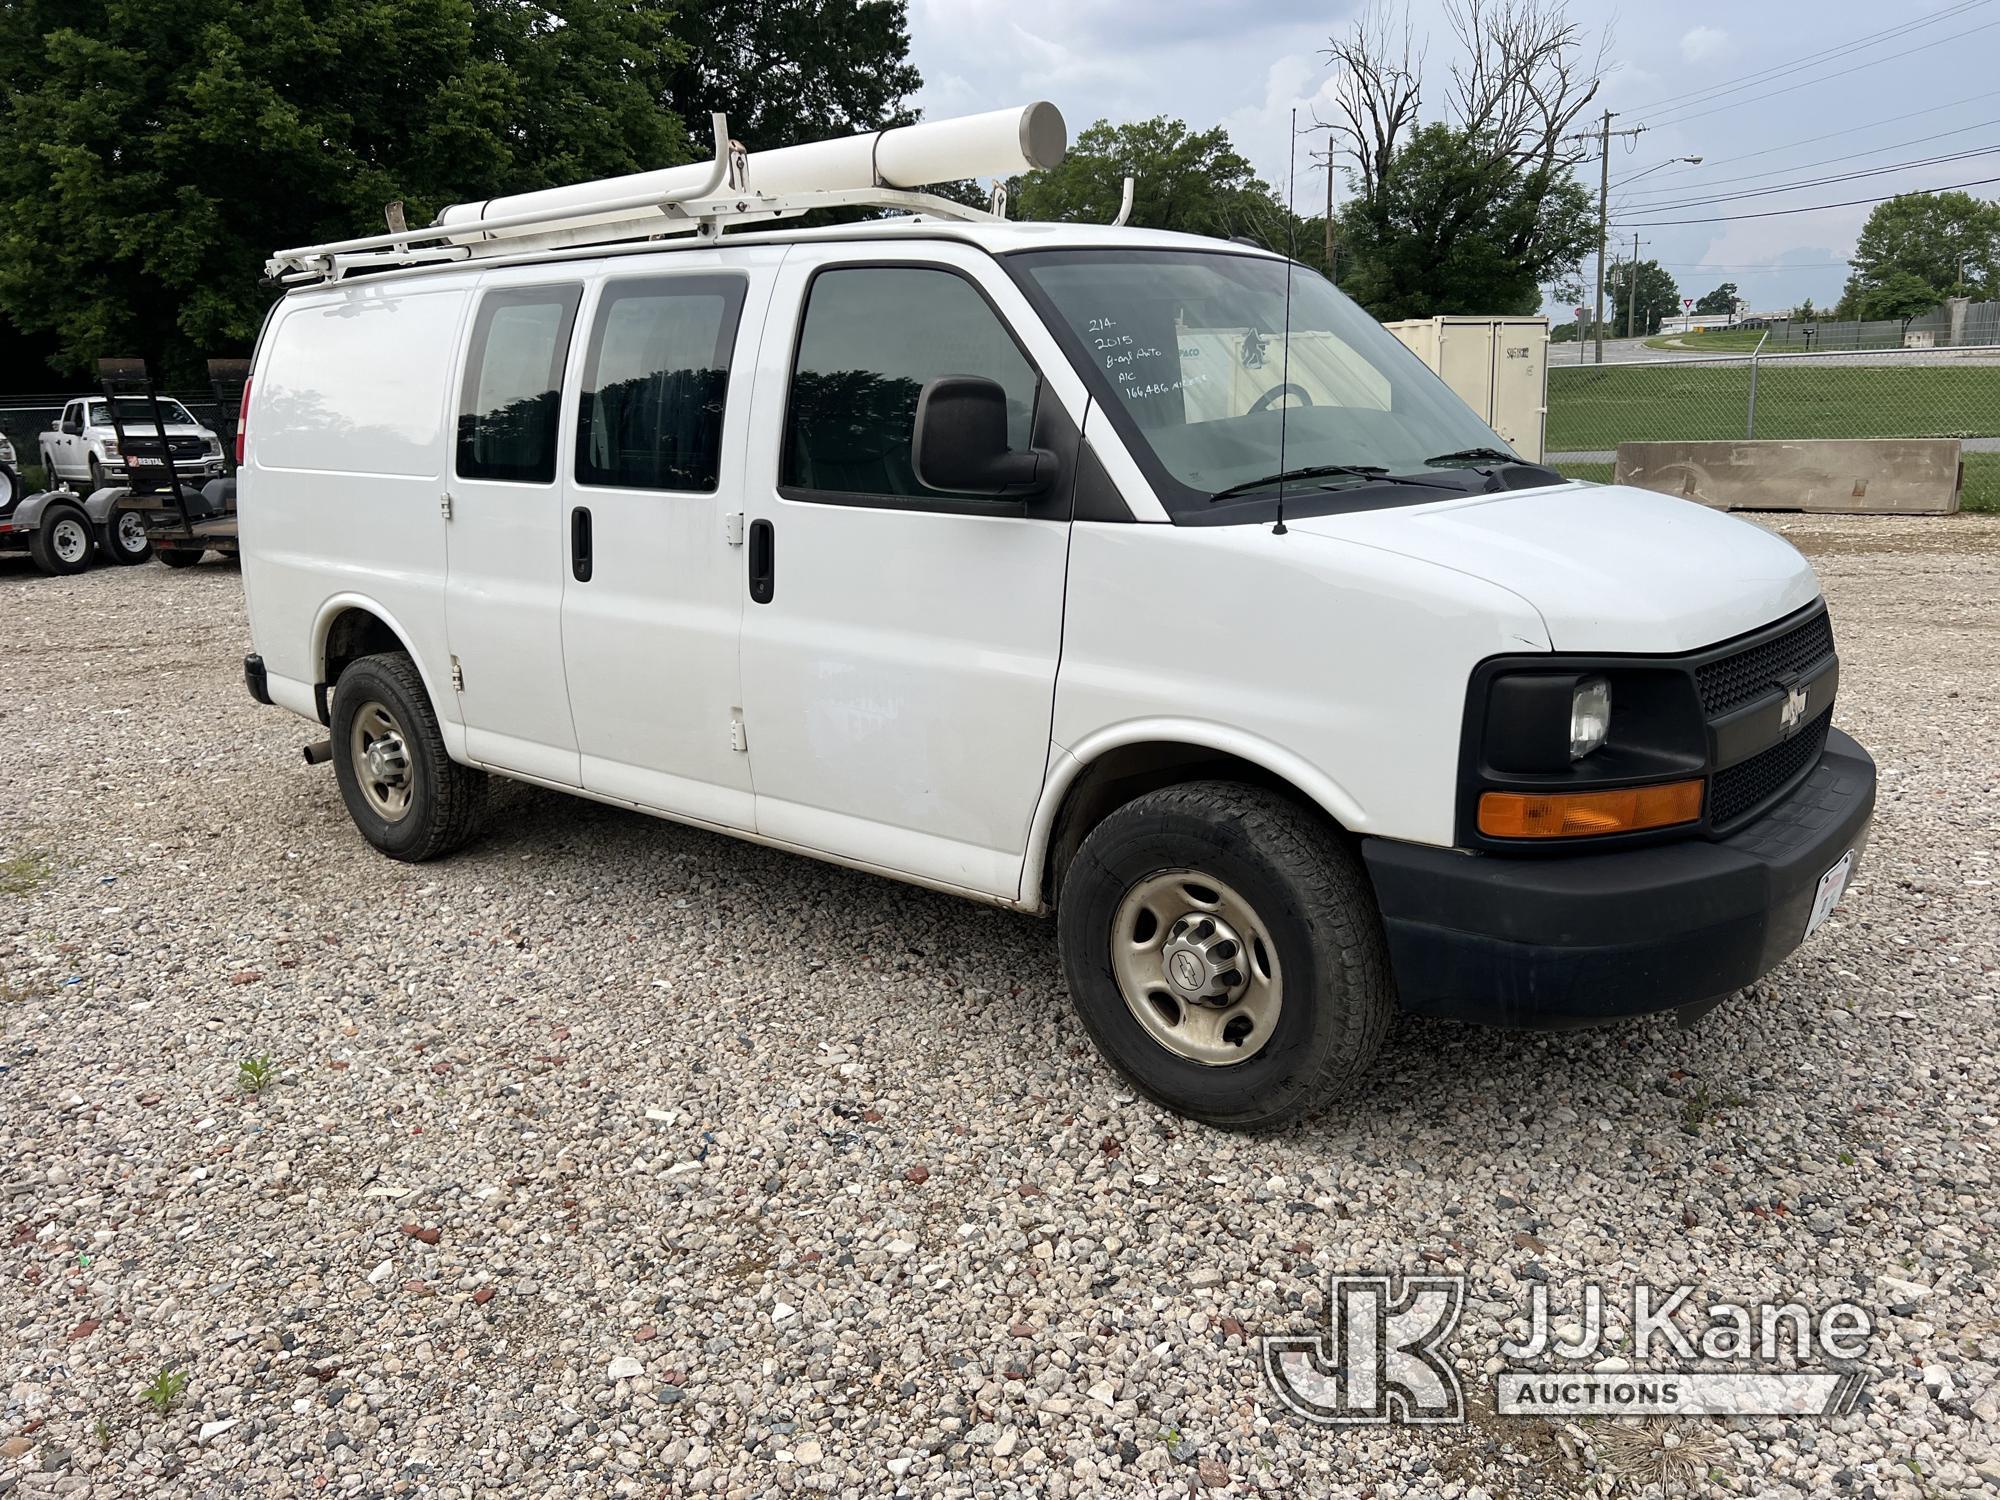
252 1073
1721 300
1659 298
165 1389
23 874
1458 227
1195 183
786 71
1920 248
154 152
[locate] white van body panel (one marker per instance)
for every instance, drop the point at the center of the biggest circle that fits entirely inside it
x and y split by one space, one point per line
897 687
1609 567
339 492
1319 662
650 641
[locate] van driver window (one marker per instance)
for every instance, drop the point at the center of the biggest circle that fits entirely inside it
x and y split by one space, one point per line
872 336
654 384
508 410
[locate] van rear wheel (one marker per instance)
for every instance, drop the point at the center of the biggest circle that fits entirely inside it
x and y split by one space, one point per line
408 797
1225 953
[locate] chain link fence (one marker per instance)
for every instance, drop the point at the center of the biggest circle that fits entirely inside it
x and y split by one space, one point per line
1868 394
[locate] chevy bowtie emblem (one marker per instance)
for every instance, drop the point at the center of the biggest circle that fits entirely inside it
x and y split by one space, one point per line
1791 711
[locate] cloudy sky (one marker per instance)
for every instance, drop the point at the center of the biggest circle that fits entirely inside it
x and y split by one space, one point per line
1826 106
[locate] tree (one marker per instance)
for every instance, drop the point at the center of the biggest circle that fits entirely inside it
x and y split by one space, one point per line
787 71
143 186
1475 211
1191 182
1721 300
1658 298
1918 249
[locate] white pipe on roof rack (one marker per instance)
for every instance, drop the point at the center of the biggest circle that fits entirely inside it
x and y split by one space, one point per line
996 144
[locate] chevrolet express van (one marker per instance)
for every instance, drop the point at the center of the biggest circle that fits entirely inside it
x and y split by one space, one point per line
1128 576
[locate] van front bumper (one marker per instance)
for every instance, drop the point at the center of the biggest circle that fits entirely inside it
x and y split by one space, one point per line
1572 939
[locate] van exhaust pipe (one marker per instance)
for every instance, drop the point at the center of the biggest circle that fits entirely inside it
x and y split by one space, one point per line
319 752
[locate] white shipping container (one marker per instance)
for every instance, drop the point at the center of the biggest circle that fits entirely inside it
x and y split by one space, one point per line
1497 366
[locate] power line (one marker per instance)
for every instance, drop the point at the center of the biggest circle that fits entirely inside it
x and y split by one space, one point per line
1812 208
1814 140
1813 182
1825 54
1822 162
1888 33
1682 119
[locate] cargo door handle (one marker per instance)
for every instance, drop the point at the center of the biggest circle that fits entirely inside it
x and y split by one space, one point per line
763 562
579 544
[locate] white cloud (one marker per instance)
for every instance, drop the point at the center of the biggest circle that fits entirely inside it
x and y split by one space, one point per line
1702 43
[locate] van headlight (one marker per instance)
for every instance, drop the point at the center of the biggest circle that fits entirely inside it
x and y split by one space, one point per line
1589 716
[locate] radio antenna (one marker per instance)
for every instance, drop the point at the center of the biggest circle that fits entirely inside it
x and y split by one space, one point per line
1285 364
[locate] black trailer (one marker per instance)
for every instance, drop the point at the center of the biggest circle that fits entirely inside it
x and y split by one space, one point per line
178 520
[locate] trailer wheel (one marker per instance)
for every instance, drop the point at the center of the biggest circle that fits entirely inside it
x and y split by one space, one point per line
408 797
10 487
1224 951
61 544
178 557
123 537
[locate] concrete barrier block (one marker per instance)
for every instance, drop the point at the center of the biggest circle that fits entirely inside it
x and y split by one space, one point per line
1840 476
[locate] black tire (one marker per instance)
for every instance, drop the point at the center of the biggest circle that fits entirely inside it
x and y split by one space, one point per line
63 539
116 536
51 480
445 798
178 557
97 479
1311 894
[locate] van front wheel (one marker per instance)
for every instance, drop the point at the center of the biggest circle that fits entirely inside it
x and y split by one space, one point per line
1224 951
408 797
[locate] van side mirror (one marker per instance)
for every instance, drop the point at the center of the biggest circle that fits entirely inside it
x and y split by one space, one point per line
960 441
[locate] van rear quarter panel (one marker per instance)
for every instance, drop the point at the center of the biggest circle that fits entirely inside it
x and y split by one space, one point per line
348 445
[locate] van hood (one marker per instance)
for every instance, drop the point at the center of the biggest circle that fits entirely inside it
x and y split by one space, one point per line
1610 568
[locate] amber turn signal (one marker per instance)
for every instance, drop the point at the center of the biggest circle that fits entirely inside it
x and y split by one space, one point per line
1569 815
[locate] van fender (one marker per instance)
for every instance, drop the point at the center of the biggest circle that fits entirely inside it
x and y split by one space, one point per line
445 704
1066 763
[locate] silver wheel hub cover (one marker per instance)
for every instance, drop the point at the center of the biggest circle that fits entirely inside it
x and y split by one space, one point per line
1192 967
387 759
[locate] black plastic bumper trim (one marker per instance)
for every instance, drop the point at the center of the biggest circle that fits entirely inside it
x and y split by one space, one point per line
255 679
1569 941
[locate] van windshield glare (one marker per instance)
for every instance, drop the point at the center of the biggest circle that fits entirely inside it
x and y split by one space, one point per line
1187 350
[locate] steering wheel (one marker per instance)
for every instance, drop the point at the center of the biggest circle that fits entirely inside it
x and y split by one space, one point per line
1296 392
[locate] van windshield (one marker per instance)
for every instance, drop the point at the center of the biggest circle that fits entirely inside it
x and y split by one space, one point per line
1188 351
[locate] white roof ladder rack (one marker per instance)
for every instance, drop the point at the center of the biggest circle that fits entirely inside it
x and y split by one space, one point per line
880 169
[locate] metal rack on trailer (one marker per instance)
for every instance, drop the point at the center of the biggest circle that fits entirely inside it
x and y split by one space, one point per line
180 521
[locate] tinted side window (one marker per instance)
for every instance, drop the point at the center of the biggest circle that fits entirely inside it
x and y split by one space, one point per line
508 408
655 383
871 337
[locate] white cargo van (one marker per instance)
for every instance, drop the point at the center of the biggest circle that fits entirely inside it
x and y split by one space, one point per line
1124 575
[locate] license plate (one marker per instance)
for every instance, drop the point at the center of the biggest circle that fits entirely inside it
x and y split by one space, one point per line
1832 885
142 461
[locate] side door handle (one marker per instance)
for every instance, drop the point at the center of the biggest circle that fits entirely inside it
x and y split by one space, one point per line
579 544
763 562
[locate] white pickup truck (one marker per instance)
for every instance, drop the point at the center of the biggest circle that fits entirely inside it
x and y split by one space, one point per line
83 448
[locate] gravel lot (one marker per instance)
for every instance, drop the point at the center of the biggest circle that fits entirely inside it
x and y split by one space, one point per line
613 1157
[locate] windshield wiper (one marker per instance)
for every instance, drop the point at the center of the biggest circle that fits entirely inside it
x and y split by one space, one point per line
1473 456
1374 473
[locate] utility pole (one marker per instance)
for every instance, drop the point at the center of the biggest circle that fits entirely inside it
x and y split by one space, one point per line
1632 302
1332 270
1604 135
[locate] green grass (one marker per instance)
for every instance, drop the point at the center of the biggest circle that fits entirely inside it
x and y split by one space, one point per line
1594 407
23 874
